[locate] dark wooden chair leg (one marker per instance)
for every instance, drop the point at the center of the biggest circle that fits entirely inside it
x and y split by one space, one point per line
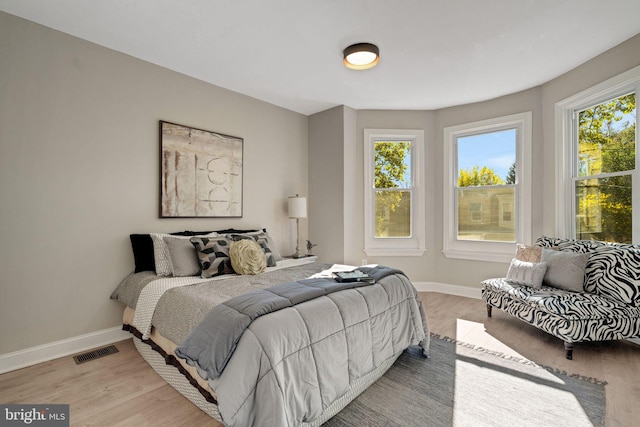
488 310
568 350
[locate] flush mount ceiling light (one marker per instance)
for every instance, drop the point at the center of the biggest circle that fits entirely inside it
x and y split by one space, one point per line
361 56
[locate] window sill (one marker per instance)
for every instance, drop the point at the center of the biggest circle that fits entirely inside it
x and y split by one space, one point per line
479 256
394 252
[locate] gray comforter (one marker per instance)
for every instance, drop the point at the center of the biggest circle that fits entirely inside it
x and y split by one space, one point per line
212 343
296 365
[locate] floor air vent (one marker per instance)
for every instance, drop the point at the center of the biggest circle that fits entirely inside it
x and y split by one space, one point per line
95 354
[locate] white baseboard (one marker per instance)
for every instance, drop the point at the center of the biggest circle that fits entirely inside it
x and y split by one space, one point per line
462 291
45 352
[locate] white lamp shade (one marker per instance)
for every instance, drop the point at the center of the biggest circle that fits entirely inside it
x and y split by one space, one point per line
297 207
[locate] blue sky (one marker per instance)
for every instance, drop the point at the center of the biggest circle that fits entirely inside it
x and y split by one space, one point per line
496 150
627 119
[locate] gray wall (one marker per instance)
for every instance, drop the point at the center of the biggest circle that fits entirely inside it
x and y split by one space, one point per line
326 183
79 172
434 266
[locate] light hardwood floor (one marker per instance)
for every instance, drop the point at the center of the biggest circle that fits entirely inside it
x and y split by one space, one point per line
122 390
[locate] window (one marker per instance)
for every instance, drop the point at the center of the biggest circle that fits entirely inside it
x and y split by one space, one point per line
476 211
484 185
394 200
487 188
596 147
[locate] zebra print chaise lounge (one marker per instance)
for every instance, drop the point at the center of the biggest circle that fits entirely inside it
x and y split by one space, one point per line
576 290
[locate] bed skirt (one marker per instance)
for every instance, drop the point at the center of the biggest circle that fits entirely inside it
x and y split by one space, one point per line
151 351
176 379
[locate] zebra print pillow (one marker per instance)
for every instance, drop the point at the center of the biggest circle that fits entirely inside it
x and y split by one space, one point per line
614 272
580 246
549 242
570 245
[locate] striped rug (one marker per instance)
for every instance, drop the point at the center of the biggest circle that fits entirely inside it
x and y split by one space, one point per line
463 386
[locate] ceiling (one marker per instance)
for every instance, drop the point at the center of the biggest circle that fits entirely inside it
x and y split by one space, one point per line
434 53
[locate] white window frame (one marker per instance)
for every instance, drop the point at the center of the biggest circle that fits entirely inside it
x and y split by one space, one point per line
566 158
415 244
481 250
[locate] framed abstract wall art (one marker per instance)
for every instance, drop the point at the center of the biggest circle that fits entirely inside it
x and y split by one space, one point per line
200 173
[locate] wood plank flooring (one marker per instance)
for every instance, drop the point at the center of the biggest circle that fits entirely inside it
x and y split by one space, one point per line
122 390
617 362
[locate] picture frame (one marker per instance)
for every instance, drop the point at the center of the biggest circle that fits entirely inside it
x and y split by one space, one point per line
201 173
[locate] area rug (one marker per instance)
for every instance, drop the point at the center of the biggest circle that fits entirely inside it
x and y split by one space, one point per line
460 385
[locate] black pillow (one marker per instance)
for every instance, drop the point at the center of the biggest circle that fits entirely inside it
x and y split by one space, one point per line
235 231
142 246
191 233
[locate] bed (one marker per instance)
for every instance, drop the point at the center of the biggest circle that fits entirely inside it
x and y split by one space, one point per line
291 366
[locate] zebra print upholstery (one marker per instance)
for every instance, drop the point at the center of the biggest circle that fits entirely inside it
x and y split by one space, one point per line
608 309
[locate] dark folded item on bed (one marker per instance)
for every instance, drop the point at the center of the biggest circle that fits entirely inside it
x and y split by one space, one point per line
213 341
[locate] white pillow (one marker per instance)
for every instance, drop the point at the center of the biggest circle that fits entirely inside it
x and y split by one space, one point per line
527 273
161 254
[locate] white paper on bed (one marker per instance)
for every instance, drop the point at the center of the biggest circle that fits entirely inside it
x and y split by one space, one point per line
333 269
